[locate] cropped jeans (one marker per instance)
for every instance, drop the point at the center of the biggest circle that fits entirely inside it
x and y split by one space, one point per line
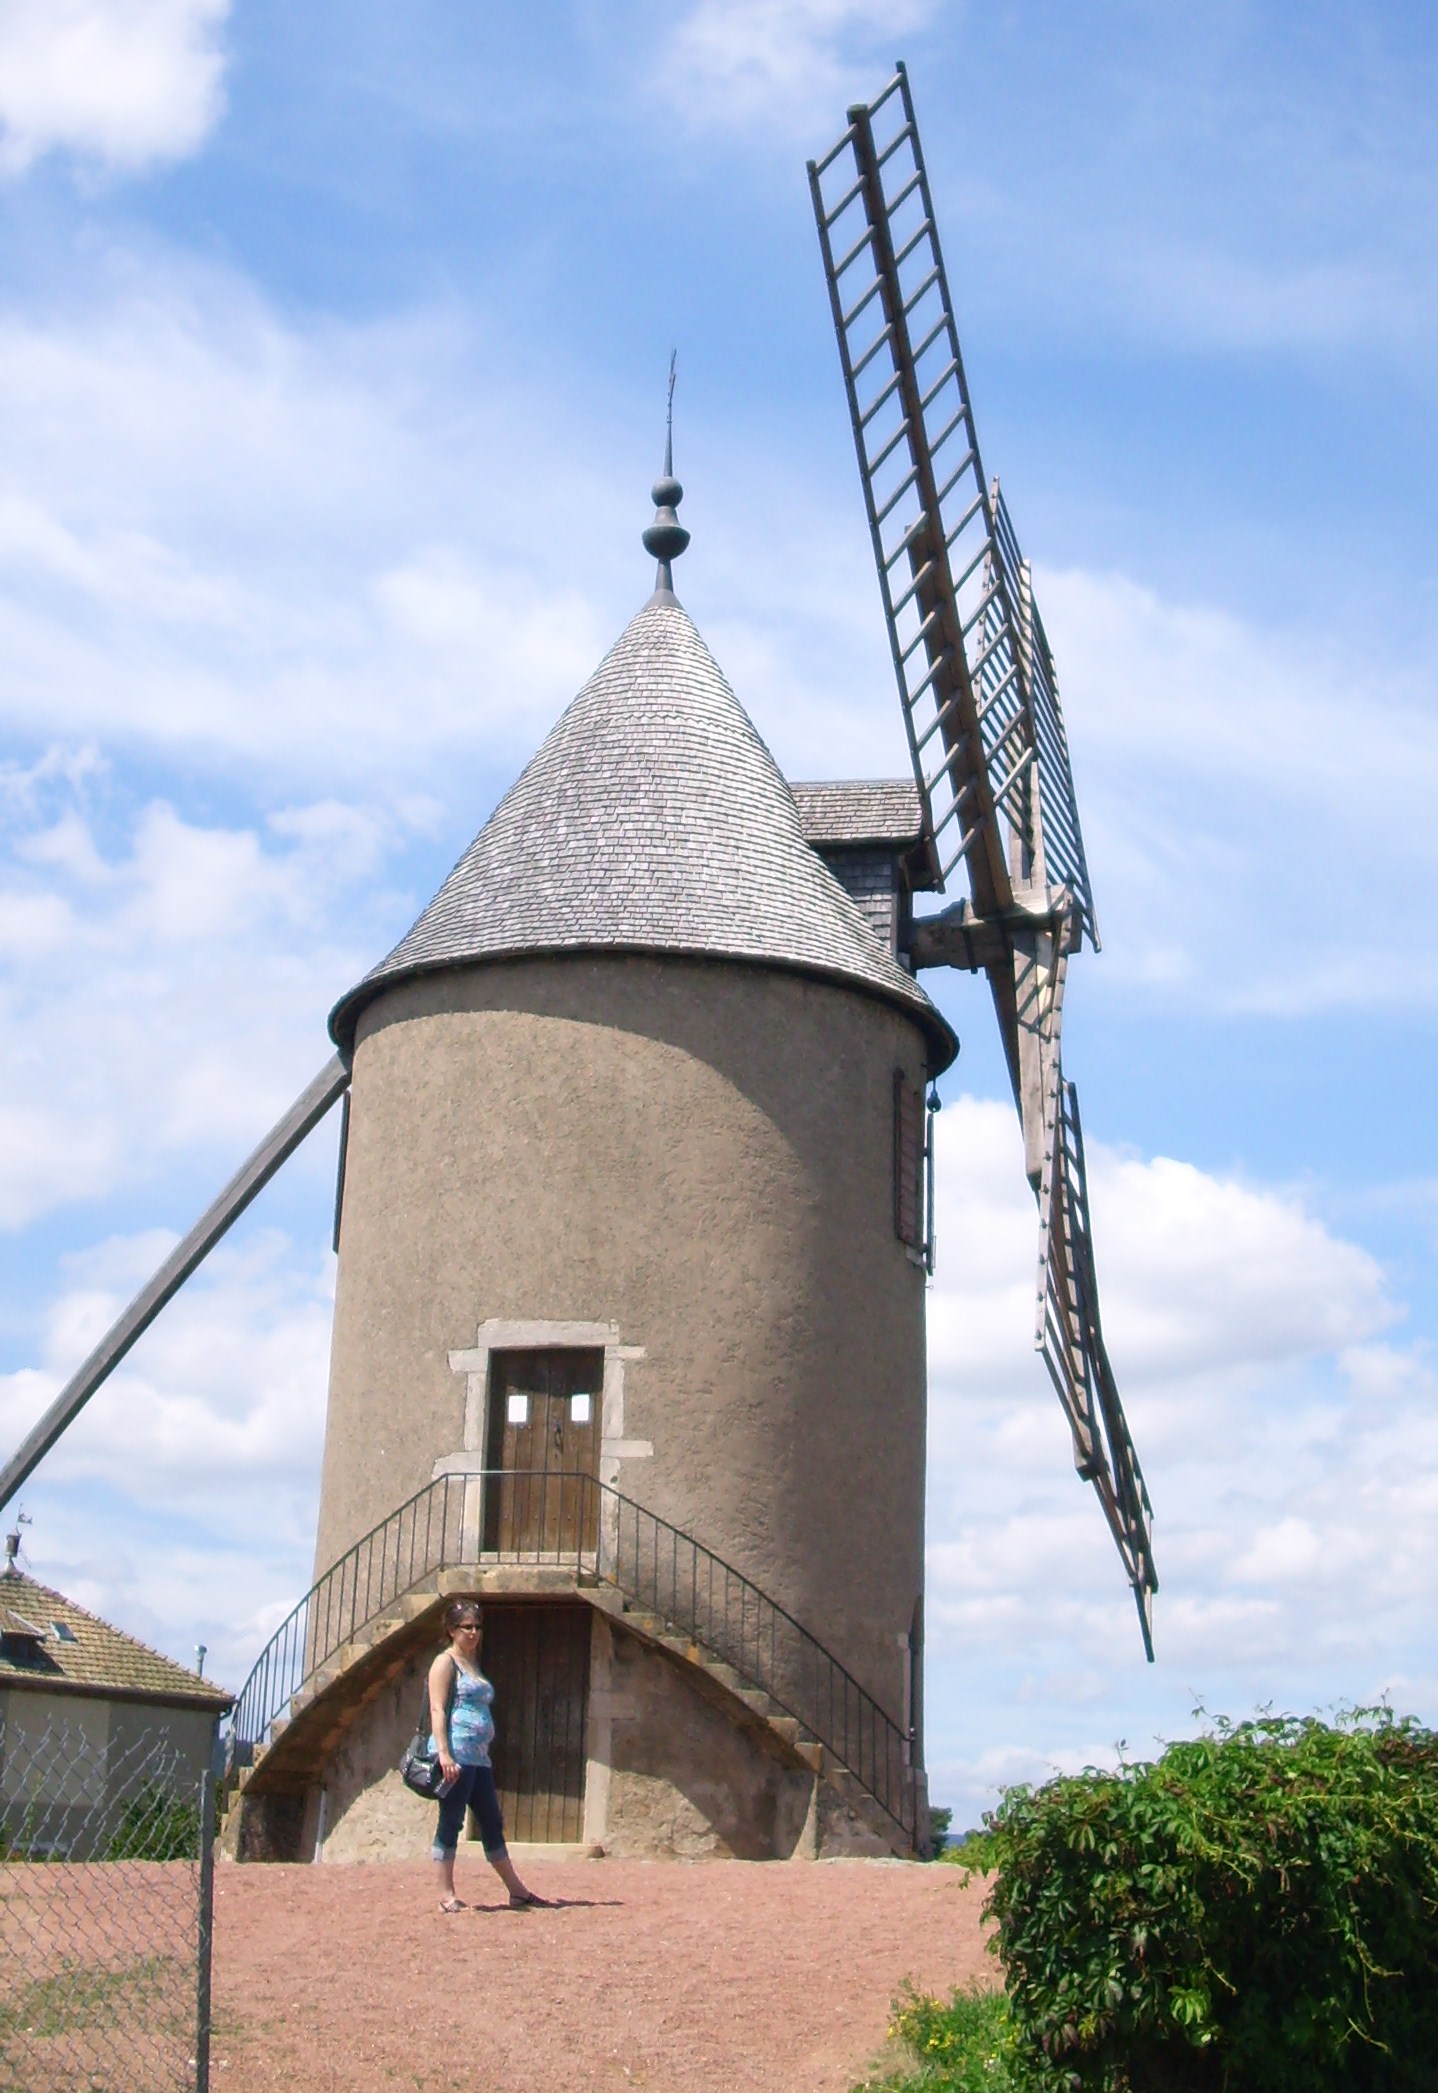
474 1790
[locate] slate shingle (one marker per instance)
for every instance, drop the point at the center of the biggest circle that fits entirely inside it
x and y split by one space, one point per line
654 819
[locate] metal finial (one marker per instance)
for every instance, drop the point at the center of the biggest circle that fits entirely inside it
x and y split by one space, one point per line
666 536
669 416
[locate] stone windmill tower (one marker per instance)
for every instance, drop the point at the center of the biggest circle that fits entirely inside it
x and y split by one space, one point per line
622 1277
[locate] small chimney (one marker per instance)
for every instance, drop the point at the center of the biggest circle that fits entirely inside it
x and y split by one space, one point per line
12 1545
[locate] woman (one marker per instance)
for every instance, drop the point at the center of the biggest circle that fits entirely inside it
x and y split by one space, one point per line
460 1701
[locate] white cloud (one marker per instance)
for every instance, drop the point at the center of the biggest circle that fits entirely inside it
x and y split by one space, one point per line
122 82
1290 1447
168 995
1205 1273
221 1399
1199 1274
181 1501
788 61
1234 838
395 604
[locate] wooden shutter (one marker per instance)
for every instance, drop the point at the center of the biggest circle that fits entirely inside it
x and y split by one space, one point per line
908 1161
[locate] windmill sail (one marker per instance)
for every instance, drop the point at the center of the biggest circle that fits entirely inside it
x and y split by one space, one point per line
1071 1339
986 736
952 577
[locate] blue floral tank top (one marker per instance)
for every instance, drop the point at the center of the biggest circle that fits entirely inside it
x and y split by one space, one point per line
471 1722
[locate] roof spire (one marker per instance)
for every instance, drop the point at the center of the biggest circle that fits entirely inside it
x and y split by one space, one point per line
666 536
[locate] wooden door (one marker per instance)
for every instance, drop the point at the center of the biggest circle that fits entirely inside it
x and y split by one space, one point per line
536 1655
544 1436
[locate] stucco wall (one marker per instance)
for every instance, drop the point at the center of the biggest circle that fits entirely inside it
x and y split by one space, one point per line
702 1155
77 1758
105 1734
686 1782
369 1813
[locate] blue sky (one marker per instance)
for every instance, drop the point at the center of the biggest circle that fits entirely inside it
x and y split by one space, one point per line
332 354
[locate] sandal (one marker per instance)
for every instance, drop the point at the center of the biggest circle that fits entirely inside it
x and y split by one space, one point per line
526 1901
449 1905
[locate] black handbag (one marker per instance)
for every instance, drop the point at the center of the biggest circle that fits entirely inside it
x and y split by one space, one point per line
419 1766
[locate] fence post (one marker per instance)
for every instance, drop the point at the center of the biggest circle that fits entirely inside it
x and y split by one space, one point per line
207 1916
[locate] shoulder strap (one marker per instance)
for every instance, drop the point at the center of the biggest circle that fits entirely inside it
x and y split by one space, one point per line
424 1728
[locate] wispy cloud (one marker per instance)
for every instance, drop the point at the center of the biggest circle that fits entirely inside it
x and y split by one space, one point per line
198 1461
794 63
192 963
1235 779
120 83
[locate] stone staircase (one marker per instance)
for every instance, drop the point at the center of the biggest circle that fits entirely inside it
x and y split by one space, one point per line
843 1815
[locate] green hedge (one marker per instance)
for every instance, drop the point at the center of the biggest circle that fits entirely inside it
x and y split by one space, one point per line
1255 1912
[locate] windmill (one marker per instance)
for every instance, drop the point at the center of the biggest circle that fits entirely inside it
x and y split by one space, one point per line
986 735
631 1214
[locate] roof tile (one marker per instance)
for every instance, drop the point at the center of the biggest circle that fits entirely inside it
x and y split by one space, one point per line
99 1656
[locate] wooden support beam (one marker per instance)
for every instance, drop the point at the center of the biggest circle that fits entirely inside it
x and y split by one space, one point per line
963 937
277 1147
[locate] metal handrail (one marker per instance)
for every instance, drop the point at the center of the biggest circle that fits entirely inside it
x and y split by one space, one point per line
573 1521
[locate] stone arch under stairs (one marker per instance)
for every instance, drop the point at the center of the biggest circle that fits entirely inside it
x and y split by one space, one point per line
267 1798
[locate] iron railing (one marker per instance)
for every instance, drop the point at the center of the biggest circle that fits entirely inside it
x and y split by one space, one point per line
571 1521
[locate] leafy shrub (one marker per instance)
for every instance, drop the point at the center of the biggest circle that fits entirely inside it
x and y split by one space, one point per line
155 1823
1255 1912
961 2047
974 1850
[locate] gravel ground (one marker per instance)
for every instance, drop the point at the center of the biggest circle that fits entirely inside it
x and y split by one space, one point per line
719 1977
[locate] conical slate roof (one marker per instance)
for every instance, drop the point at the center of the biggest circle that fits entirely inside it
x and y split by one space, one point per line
652 819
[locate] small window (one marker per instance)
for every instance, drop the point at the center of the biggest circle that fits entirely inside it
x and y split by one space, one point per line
62 1631
579 1409
516 1410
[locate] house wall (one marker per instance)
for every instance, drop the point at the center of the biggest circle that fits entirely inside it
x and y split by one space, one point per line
698 1156
69 1761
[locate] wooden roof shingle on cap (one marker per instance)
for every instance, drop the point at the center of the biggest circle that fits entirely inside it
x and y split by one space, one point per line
834 811
653 818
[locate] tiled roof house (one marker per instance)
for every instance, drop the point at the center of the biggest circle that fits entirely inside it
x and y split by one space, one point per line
87 1713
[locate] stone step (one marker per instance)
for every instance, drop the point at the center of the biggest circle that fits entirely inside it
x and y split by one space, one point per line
642 1622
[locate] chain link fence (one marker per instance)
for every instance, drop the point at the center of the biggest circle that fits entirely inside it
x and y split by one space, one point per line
106 1907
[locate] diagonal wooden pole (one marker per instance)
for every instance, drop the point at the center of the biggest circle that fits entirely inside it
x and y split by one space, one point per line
277 1147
